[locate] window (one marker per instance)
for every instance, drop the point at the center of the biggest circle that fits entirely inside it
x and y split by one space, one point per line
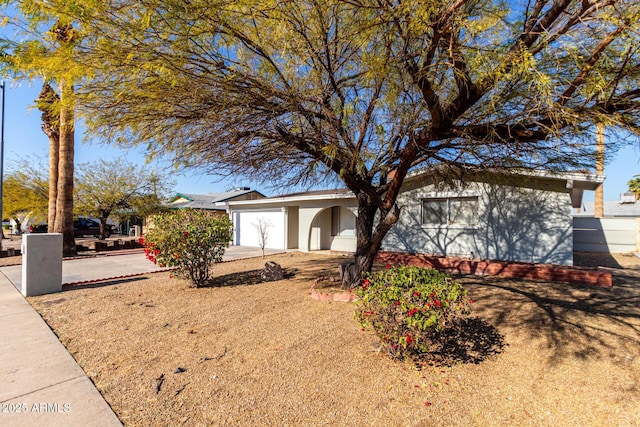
335 220
343 222
450 211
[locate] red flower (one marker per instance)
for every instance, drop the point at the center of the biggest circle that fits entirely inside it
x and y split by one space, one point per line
365 283
427 403
470 301
156 252
398 303
185 233
409 339
416 294
437 303
388 266
412 312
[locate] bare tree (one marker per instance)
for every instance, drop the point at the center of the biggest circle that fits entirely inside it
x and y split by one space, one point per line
263 233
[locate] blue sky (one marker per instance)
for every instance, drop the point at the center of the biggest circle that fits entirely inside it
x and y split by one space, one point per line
23 137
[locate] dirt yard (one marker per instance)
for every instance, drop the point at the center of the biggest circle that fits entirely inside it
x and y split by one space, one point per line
246 352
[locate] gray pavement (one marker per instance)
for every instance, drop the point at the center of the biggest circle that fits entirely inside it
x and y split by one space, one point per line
40 383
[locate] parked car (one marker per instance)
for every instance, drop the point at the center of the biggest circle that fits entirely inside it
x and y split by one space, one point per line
81 227
89 227
38 228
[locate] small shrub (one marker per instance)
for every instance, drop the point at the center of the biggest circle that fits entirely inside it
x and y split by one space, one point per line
191 240
411 309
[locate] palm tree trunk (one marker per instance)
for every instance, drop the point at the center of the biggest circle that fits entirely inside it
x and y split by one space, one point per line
64 201
51 128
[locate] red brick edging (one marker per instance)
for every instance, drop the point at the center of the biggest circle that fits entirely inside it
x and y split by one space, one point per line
346 296
549 272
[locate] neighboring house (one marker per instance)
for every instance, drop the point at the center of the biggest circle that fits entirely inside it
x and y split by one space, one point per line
212 202
519 217
627 206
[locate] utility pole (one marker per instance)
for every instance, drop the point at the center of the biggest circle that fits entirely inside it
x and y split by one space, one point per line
1 162
598 210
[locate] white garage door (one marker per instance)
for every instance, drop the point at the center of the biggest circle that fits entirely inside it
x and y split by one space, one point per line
247 233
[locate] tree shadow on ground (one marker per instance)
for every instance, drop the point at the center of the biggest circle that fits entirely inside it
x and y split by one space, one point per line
576 321
595 259
312 270
244 278
476 341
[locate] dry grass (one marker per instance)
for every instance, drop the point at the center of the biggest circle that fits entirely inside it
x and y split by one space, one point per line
267 354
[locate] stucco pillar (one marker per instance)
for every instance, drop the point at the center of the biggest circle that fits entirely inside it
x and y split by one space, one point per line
41 264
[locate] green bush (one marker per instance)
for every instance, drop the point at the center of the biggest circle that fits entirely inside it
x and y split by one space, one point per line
411 309
189 239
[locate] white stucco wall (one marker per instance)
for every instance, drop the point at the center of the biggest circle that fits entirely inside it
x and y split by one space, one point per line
514 223
308 222
518 224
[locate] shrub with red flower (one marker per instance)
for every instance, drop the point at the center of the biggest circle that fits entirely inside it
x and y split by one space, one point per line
191 240
411 309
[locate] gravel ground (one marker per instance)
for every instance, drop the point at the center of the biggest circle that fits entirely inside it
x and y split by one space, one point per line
256 353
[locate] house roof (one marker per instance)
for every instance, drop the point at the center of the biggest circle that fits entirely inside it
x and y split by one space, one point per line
574 183
340 193
612 208
214 201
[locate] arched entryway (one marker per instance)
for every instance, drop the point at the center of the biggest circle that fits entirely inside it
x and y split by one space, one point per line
333 228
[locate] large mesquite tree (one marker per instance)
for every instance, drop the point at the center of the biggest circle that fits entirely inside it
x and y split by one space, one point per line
361 90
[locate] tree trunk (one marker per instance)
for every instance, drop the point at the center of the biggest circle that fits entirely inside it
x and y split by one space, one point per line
369 240
51 128
103 223
64 201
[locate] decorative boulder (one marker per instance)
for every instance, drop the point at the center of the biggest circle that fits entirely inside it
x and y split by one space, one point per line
271 272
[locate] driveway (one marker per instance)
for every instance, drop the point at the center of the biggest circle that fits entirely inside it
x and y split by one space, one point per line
106 266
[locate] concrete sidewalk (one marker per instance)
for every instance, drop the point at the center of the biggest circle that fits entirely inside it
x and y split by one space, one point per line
40 383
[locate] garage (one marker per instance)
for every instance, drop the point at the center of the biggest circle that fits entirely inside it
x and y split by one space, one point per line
245 225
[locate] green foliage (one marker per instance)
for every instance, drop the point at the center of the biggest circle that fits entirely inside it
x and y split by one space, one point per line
191 240
25 190
411 309
634 185
107 187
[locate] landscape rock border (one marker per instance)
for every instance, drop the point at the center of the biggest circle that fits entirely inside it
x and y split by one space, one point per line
344 296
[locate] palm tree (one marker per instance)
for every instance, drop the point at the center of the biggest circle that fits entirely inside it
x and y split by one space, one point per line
47 102
634 186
